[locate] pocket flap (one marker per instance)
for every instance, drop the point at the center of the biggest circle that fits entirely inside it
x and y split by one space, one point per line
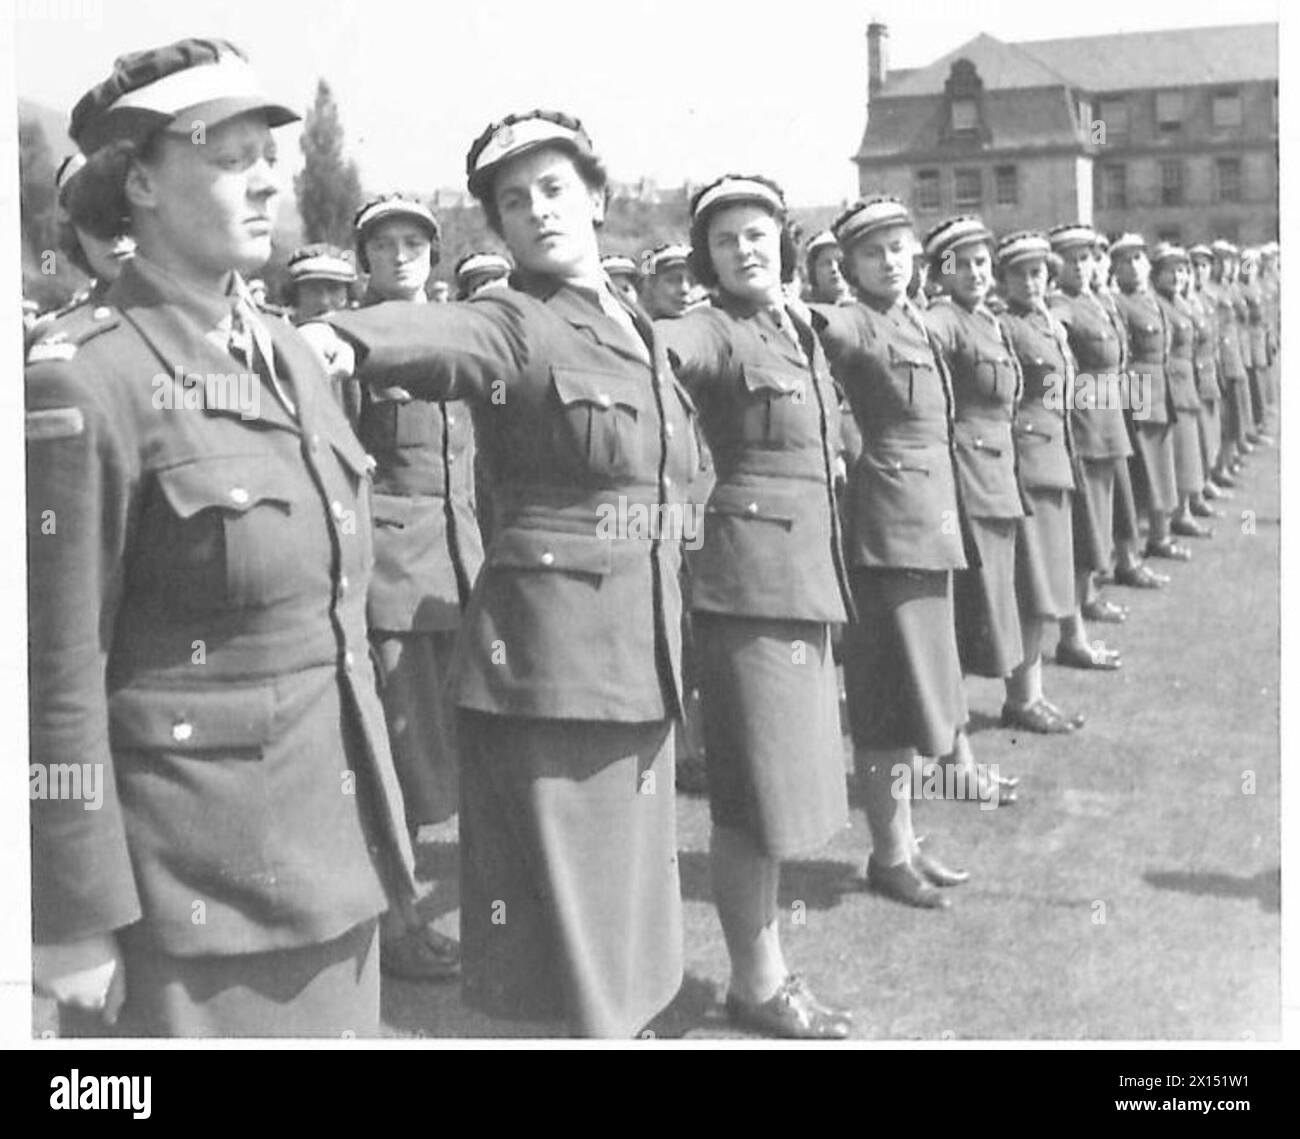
390 509
752 502
232 483
186 720
548 550
764 378
911 359
600 389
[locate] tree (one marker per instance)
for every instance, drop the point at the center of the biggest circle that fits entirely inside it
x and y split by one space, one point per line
329 187
36 166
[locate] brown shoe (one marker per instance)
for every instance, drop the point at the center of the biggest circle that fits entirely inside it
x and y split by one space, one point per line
904 884
791 1013
1040 718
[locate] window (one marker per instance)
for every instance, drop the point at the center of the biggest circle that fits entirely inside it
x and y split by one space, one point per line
1229 177
1085 112
927 190
1114 113
1169 110
967 189
965 116
1171 182
1008 185
1227 109
1114 188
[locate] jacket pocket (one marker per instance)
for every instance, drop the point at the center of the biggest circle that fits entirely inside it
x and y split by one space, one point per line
219 723
772 397
391 511
993 374
550 551
599 415
908 367
751 503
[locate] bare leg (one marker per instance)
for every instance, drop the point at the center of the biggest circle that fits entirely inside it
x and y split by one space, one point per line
745 886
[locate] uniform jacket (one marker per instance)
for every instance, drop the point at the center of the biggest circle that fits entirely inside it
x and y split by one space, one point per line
1099 431
591 447
1148 339
197 581
902 506
986 391
1180 369
1241 310
1205 345
770 413
1255 317
1043 436
428 551
1231 368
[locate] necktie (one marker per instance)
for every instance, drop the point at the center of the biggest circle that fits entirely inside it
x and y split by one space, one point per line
615 310
250 344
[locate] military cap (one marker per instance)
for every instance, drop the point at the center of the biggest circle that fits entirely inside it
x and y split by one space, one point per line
321 262
662 256
1221 248
1200 252
868 215
961 230
1023 245
1102 242
518 134
734 189
1270 249
1071 234
616 265
820 241
1250 256
1167 251
187 82
481 264
68 169
383 207
1128 243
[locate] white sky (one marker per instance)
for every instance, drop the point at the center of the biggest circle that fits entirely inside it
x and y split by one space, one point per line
667 88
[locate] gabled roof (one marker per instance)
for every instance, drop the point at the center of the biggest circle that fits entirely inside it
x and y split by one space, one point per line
1002 66
1178 57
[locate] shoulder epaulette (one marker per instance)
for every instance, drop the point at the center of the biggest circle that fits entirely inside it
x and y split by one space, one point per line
65 335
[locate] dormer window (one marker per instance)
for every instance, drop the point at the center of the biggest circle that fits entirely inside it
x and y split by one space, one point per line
965 115
964 92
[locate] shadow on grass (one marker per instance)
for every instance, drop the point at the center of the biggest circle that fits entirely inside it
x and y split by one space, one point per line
819 883
1265 887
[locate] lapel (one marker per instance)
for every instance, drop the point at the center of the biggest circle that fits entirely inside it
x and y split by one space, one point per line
181 346
582 314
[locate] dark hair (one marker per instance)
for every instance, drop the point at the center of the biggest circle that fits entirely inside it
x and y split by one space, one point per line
96 198
701 260
590 169
810 260
70 244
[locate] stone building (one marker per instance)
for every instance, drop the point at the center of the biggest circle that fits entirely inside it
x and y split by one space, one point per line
1171 133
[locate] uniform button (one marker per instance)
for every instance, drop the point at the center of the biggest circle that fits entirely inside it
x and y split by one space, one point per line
451 421
182 730
450 459
336 508
604 400
668 480
349 660
103 312
548 558
315 442
238 495
343 584
669 430
751 508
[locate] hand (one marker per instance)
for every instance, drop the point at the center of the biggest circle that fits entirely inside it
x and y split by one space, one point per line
85 974
336 355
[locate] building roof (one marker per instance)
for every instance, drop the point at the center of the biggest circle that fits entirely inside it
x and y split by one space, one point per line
1179 57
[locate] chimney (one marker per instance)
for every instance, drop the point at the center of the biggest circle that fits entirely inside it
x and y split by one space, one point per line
877 57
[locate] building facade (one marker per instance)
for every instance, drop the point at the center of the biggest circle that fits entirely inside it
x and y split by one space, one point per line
1173 133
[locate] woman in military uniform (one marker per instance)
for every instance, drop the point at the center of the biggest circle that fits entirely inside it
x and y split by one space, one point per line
427 556
822 268
904 537
568 676
1205 363
767 584
667 284
1232 363
1045 561
198 561
480 270
1248 283
321 277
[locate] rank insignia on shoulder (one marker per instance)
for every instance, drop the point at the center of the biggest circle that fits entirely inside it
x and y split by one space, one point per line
56 346
55 423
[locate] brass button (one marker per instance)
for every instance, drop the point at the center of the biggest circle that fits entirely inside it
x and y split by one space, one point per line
604 400
668 480
238 495
182 730
103 312
451 421
349 660
548 558
751 508
343 584
336 508
669 430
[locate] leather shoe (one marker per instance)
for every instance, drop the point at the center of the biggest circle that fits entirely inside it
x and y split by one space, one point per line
904 884
1203 509
1040 717
1107 612
1190 528
420 954
1093 655
1168 548
1074 719
985 787
1139 577
937 873
1222 481
791 1013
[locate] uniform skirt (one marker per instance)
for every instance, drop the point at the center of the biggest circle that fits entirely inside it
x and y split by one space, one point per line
570 901
902 673
1045 557
326 990
1189 475
984 600
1091 514
772 739
1155 451
1245 416
1126 525
1210 432
415 687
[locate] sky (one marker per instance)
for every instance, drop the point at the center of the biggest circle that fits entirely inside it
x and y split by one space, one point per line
669 89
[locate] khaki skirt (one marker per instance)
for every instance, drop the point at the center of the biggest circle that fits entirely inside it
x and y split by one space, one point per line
1155 451
1210 431
1094 514
984 600
772 739
902 673
1189 475
570 901
1045 557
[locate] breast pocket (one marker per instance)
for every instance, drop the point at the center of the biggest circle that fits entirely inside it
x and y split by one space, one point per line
993 375
599 421
913 372
225 537
774 402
